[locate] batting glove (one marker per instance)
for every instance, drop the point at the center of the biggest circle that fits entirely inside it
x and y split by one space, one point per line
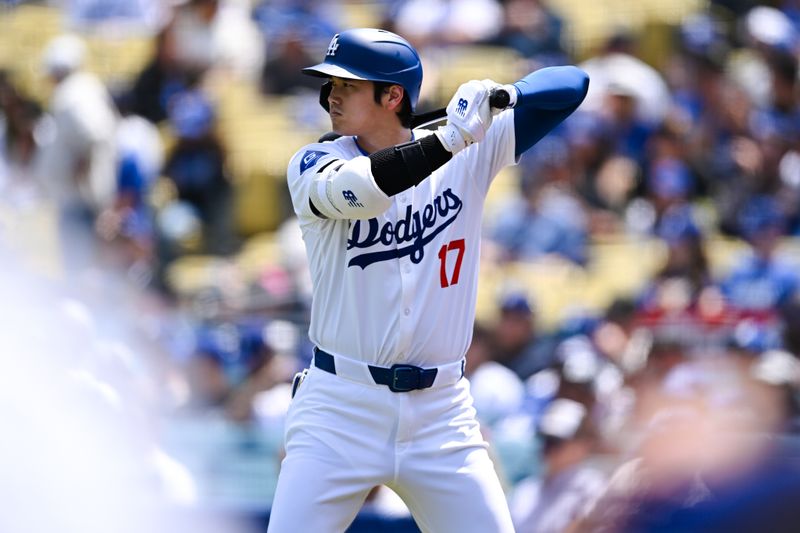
468 117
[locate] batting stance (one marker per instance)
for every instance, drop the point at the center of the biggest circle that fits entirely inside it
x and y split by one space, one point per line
391 220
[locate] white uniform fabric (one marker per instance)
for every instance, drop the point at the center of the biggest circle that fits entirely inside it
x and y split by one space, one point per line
345 437
398 288
381 294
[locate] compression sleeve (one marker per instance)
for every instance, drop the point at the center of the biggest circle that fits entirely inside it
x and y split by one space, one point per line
545 98
401 167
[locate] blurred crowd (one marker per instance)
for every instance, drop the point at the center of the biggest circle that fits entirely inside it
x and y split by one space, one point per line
675 408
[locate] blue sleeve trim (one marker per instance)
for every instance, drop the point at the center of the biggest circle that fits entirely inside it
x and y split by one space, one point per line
545 98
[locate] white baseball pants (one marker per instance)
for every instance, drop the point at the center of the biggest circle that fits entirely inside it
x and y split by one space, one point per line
344 437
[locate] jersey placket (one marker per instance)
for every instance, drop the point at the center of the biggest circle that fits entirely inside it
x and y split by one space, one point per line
408 284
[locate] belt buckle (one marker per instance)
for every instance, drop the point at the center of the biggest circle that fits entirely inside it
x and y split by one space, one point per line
405 378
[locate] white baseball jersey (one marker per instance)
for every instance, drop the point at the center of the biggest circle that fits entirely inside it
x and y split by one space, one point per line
400 287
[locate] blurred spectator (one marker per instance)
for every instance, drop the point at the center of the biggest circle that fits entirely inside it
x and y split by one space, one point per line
637 93
497 391
583 372
518 344
135 16
605 183
619 336
78 156
548 217
196 165
161 78
756 156
679 292
207 34
209 386
621 343
317 18
258 371
128 224
767 27
761 281
669 180
201 35
287 56
630 133
19 117
669 183
569 484
534 30
576 374
670 347
443 22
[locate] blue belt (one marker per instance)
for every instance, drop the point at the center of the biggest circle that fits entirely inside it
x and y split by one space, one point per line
399 378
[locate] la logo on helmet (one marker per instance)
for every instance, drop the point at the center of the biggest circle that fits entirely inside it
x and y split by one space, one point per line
333 46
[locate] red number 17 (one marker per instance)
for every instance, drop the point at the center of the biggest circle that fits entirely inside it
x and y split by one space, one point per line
452 245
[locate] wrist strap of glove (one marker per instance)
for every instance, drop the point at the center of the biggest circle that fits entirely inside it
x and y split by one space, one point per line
451 138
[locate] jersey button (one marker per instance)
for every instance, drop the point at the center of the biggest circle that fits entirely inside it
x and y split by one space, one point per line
407 269
407 311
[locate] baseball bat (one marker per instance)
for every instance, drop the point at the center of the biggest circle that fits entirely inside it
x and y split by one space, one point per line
498 99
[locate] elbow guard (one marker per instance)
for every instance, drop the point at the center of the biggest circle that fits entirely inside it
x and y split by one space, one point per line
348 191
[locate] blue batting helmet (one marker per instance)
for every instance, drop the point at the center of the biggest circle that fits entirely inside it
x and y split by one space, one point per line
374 55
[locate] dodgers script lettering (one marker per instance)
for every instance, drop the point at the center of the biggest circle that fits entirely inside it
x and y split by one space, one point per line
417 228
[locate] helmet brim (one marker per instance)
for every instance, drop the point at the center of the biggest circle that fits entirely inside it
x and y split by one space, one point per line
327 70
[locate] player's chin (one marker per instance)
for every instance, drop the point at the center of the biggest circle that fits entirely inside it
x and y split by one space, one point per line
340 126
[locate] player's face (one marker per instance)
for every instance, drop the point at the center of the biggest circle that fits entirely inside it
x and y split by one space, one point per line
352 106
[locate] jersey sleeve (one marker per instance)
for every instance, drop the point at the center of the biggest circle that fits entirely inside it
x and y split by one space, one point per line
303 167
324 184
496 151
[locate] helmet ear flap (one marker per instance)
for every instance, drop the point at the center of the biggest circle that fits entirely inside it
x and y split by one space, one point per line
324 93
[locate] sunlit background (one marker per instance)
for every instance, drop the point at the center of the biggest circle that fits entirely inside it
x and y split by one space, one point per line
635 357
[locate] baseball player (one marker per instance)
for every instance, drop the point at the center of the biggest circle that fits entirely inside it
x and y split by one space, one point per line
391 220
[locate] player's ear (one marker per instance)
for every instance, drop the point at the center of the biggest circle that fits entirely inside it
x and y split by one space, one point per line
393 97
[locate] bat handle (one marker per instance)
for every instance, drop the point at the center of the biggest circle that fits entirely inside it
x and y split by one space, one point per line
499 98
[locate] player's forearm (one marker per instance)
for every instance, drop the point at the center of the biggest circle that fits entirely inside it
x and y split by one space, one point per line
401 167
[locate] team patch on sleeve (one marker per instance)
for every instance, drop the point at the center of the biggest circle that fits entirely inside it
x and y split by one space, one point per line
310 158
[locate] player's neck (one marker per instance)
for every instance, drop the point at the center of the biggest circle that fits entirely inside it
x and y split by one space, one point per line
379 139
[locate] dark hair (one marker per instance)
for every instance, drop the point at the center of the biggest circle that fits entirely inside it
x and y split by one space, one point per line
405 110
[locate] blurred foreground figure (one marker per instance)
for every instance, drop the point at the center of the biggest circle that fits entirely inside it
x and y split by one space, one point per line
79 452
713 455
78 157
569 484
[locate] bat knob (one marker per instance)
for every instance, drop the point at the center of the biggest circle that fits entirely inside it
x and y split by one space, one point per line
499 98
